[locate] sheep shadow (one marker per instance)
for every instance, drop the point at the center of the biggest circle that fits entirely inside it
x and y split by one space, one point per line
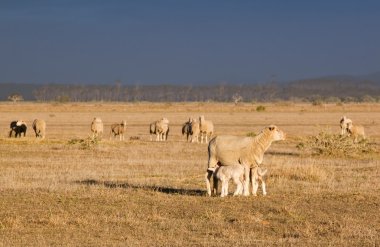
161 189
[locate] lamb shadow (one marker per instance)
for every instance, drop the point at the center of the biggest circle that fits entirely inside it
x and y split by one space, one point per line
283 153
166 190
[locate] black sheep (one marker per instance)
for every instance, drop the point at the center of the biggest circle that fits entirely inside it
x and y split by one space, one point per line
18 127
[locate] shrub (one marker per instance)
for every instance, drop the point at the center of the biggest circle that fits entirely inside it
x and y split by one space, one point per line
260 108
327 144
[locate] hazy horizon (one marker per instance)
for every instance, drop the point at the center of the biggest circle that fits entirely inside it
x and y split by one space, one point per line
186 42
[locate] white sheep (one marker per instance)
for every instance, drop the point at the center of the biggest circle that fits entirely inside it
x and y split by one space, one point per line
247 151
39 127
97 127
344 121
356 131
195 131
206 128
236 172
160 128
118 129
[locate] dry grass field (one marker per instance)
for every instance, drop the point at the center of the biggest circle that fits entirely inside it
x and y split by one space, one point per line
59 192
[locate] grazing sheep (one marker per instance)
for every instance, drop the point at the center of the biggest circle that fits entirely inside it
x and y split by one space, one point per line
97 127
39 126
355 131
247 151
118 129
195 131
18 127
236 173
206 128
160 128
344 121
186 129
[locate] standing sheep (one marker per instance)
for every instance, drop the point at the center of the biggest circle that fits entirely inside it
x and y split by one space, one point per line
118 129
247 151
195 131
18 127
97 127
160 128
344 121
206 128
356 131
39 127
236 173
186 129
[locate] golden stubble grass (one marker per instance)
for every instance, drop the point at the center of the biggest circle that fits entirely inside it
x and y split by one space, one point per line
55 192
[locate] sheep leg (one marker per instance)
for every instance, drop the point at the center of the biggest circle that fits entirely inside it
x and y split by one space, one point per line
208 181
215 185
255 181
263 186
224 188
239 186
246 180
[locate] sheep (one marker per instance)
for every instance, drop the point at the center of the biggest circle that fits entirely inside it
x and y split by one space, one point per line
186 129
236 173
355 131
195 131
118 129
224 174
97 127
206 128
160 128
39 127
247 151
18 127
344 121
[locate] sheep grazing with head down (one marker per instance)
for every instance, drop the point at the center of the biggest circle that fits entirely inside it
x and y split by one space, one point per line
236 172
206 128
247 151
159 128
118 129
356 132
18 127
39 127
97 127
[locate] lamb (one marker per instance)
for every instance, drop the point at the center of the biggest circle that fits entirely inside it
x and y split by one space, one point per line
236 173
186 129
18 127
247 151
356 131
39 127
160 128
206 128
118 129
97 127
344 121
195 131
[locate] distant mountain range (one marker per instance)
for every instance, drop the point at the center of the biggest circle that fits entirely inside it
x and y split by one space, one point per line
338 86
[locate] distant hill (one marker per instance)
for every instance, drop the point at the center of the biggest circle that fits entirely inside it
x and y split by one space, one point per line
339 87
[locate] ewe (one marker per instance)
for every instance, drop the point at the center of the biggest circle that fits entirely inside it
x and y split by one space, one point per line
118 129
160 128
247 151
206 128
97 127
39 127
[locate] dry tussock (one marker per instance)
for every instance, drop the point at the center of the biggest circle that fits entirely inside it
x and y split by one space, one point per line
335 145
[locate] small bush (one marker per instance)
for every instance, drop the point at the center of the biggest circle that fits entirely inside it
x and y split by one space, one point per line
260 108
251 134
87 143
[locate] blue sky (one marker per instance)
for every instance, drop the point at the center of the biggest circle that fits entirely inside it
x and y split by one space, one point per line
186 42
